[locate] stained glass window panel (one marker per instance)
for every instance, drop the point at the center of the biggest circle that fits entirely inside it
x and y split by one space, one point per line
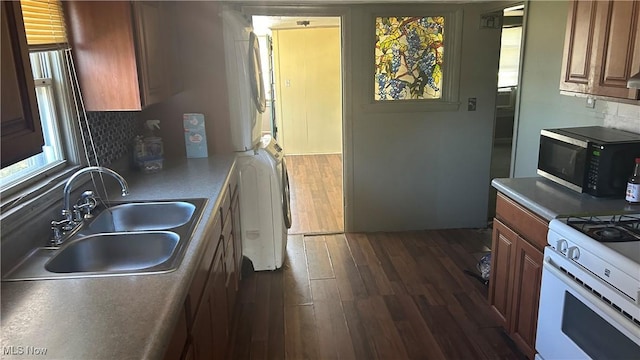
409 55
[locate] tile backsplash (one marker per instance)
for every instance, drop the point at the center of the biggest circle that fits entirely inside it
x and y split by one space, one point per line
621 116
112 134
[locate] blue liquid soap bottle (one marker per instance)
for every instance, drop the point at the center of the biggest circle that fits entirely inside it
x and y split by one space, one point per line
149 151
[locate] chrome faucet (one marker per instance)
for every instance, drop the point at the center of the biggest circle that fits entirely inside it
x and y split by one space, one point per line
74 219
66 210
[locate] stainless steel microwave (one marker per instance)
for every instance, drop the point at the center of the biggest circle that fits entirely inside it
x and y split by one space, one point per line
595 160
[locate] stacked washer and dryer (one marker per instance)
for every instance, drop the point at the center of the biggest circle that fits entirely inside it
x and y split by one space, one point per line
265 214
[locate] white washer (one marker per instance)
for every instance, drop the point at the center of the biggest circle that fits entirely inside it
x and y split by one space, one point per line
264 204
263 180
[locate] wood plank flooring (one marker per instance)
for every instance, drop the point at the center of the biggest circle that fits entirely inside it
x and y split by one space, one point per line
316 193
371 296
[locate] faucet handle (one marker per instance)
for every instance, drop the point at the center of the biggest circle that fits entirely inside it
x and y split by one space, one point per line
57 231
84 206
77 213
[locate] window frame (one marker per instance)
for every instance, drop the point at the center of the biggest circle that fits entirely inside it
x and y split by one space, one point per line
449 101
32 186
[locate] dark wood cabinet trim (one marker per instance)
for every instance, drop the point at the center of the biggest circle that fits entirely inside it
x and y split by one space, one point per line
20 126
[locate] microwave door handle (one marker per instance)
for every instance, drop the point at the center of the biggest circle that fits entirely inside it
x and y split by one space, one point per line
564 138
619 319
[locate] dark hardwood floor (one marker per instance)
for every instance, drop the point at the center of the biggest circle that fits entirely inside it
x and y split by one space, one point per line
371 296
316 193
364 296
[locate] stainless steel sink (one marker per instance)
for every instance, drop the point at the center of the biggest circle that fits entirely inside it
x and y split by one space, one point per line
143 216
123 239
116 252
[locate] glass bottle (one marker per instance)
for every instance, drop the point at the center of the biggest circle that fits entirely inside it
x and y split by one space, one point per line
633 185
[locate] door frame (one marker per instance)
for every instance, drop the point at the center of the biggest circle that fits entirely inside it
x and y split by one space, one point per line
344 14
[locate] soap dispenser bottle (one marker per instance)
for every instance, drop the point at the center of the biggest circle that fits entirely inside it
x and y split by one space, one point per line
153 149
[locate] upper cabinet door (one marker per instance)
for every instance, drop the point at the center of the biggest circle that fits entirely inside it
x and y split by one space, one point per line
602 48
120 50
104 53
21 128
579 38
153 38
618 35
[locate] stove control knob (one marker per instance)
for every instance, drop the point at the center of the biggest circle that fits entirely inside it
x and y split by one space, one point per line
574 253
562 246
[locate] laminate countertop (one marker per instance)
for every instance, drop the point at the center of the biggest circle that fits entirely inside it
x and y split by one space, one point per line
550 200
117 317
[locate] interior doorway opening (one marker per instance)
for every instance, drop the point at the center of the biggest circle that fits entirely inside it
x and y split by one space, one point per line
512 42
302 70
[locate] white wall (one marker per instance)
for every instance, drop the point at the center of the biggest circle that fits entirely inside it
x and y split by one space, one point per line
413 170
308 88
541 105
204 81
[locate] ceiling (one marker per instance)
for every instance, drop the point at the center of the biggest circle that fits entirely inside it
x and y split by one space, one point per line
262 24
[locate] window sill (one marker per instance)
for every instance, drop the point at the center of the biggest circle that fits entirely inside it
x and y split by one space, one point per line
19 207
408 106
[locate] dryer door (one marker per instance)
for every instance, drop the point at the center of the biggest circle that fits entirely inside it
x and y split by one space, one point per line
286 202
255 74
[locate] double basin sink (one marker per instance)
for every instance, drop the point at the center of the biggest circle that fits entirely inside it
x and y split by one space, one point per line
122 239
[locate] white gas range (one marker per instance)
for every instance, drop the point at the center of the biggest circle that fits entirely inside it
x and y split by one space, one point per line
590 296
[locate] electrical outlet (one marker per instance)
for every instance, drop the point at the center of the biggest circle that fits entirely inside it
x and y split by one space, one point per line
591 102
471 104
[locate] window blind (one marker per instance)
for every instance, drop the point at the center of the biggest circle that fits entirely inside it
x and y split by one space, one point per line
44 23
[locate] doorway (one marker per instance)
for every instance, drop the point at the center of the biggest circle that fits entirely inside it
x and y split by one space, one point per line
301 59
512 42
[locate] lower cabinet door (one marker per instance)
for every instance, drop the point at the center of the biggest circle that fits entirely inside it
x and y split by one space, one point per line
526 295
179 339
202 332
219 304
502 263
236 232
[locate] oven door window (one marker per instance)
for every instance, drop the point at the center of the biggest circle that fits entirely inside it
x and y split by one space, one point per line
594 335
562 160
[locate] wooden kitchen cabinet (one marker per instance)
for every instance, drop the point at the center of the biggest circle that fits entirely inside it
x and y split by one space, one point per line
502 258
231 285
602 48
202 332
236 229
122 52
526 296
20 125
211 299
519 237
210 330
178 339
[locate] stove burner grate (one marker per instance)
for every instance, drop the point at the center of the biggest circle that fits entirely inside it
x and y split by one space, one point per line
616 228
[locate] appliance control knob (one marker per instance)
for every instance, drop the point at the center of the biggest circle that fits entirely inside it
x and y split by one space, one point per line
574 253
562 245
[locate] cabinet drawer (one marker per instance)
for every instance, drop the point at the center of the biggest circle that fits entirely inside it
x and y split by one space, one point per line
522 221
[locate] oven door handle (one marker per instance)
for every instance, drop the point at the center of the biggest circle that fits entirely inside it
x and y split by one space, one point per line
618 318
